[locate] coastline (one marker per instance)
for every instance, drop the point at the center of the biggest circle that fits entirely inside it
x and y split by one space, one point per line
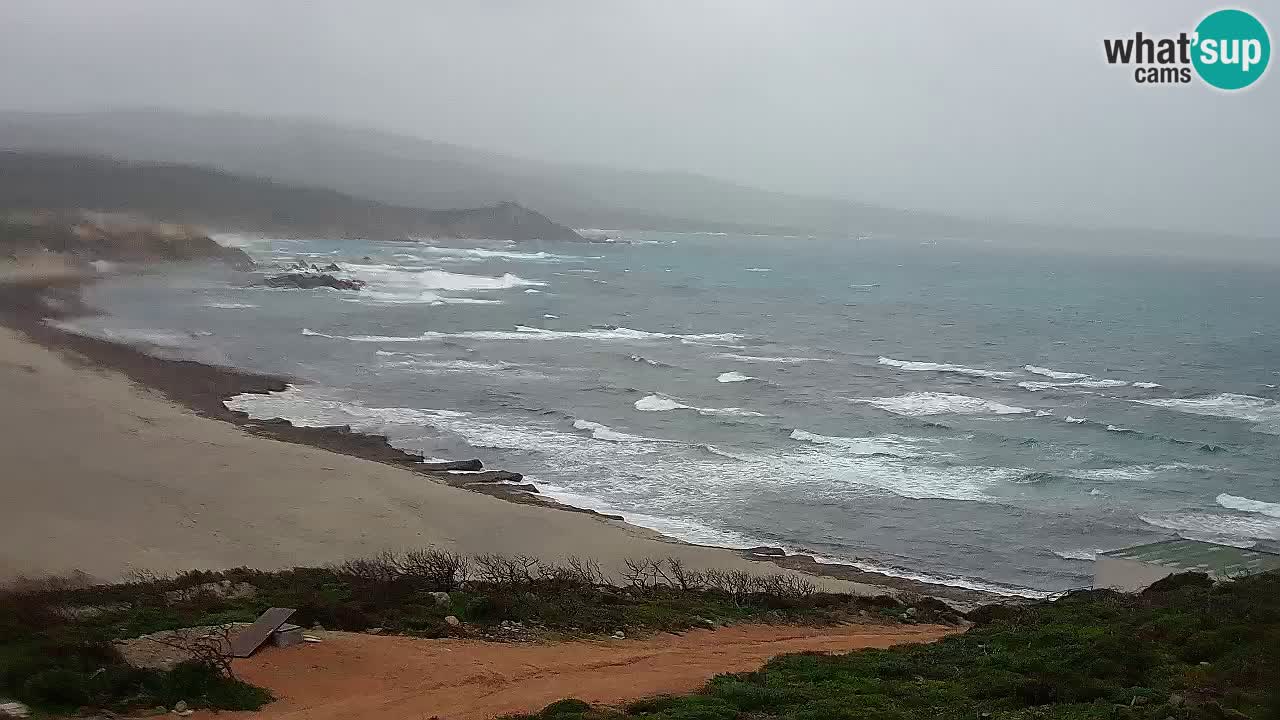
27 303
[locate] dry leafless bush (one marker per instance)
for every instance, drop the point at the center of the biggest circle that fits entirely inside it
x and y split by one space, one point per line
382 567
575 571
674 574
439 569
500 569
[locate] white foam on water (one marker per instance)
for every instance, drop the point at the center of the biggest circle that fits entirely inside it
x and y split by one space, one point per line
759 358
1224 529
1147 385
431 279
893 445
732 377
481 254
1117 428
523 332
230 305
600 431
1232 406
1076 554
1044 413
918 404
945 367
549 316
1055 374
662 403
532 291
1137 473
1075 420
759 269
1244 504
1034 386
309 409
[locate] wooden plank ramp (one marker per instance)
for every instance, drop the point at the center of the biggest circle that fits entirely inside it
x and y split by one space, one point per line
247 641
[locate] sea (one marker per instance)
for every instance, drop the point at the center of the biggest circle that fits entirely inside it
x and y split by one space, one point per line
978 417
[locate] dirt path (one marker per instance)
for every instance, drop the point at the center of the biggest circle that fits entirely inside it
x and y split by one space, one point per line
374 677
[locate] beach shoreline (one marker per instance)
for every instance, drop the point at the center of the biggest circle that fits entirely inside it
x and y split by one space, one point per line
28 304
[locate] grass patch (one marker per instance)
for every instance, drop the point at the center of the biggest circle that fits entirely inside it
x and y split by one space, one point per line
1186 649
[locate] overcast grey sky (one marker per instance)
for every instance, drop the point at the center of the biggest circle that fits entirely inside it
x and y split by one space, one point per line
994 108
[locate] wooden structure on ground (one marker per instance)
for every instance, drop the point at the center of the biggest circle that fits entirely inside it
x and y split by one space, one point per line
247 641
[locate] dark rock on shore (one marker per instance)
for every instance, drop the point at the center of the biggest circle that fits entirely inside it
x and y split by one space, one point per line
454 465
488 476
769 551
309 281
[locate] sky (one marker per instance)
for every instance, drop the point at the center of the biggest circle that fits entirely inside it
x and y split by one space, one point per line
981 108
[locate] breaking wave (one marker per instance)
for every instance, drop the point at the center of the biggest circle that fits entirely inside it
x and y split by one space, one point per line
524 332
888 445
732 377
759 358
1055 374
1210 527
604 432
918 404
662 403
1244 504
945 367
1233 406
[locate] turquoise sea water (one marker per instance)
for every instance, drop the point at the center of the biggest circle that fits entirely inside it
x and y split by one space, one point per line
982 418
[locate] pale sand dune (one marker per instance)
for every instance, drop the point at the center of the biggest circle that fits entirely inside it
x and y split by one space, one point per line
100 475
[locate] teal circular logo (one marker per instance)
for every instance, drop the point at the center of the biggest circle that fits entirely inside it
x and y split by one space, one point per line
1231 49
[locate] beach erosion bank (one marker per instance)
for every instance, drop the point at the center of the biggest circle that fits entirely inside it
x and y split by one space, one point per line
122 462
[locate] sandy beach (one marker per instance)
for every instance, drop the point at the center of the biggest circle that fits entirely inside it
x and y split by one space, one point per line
108 477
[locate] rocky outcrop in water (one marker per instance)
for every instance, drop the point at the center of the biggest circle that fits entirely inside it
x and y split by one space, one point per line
310 281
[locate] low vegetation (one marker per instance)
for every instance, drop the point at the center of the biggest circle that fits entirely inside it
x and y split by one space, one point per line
1186 649
57 649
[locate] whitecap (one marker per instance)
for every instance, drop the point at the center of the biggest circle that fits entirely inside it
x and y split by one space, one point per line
532 291
1117 428
732 377
944 367
549 316
934 403
759 358
486 254
230 305
759 269
1075 420
524 332
662 403
1055 374
1147 385
1223 529
1090 383
1244 504
1076 554
604 432
1232 406
892 445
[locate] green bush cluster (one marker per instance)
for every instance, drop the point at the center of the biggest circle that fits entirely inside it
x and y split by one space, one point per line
1186 649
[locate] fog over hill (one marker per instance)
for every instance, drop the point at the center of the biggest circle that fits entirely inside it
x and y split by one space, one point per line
415 173
184 193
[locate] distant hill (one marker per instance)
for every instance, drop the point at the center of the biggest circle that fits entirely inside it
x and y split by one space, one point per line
407 172
188 194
